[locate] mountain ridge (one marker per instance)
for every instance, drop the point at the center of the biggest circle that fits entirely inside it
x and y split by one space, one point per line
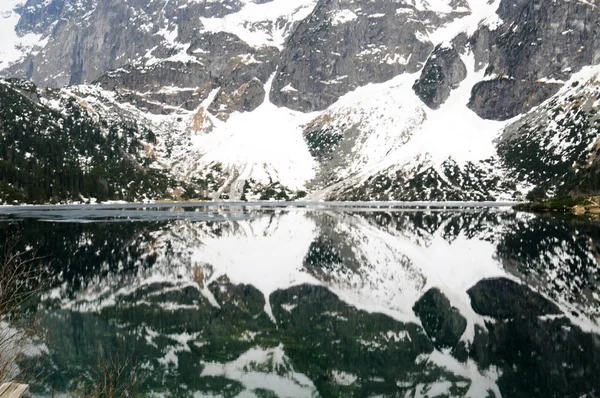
418 101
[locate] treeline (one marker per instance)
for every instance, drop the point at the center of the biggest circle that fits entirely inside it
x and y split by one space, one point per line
48 156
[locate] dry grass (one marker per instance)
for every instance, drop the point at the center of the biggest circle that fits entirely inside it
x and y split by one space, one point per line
21 280
198 276
116 377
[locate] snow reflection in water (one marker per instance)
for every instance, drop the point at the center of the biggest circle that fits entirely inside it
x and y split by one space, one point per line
249 301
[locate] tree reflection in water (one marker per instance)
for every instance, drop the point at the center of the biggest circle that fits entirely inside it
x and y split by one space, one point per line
323 302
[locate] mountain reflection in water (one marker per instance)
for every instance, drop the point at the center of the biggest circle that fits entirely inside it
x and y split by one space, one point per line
319 302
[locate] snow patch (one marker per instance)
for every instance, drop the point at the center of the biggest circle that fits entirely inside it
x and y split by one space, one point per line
340 17
482 12
266 145
14 47
266 24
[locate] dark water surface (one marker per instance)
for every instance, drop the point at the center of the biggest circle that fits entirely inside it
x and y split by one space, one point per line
318 301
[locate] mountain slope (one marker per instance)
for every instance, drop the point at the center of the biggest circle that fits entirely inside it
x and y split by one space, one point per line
555 146
52 150
334 99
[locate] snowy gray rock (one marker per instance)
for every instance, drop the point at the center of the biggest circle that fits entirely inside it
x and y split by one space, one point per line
442 72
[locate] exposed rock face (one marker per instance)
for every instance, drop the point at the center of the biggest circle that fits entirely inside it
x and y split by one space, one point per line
502 99
220 57
245 99
345 44
502 298
536 42
442 322
545 40
91 37
214 61
443 71
139 48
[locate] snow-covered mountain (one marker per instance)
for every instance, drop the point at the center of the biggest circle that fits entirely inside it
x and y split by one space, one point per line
332 99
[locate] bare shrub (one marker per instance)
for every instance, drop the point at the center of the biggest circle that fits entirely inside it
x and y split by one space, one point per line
117 376
21 281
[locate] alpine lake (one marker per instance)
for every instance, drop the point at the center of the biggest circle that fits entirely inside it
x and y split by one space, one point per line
314 300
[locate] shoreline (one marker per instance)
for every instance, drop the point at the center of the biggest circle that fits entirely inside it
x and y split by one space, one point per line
272 203
578 206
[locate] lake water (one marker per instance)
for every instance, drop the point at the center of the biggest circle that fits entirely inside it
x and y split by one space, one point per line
317 301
